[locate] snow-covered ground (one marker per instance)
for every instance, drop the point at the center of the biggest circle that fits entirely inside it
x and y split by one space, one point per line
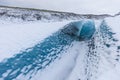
76 6
63 68
96 59
103 62
110 65
15 37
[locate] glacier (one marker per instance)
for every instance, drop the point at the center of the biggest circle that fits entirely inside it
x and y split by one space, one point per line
41 55
80 49
86 29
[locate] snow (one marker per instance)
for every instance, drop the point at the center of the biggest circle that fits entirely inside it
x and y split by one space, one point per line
16 37
61 69
114 24
76 6
111 74
110 69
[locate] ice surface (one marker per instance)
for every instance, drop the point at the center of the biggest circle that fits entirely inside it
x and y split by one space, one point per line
95 59
62 56
83 29
86 29
16 37
98 60
43 53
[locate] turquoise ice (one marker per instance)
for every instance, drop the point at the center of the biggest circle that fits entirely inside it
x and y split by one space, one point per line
84 29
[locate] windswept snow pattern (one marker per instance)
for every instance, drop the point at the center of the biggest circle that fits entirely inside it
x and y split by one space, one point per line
96 58
34 59
100 56
101 41
71 53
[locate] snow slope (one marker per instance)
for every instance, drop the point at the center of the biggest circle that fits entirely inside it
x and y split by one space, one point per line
76 6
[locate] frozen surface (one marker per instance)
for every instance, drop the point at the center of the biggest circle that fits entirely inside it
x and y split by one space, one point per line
17 37
95 59
34 58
